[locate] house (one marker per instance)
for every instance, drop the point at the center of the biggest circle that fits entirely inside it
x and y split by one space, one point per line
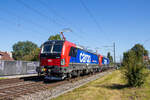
6 56
146 58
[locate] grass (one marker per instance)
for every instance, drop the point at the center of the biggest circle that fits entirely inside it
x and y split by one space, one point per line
109 87
1 78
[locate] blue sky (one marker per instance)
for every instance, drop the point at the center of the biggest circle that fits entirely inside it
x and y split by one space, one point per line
125 22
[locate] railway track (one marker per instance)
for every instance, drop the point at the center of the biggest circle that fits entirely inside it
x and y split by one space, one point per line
13 88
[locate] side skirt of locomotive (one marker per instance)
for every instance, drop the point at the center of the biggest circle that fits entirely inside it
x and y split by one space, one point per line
74 70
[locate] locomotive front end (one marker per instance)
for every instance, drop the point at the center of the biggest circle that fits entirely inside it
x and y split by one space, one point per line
50 58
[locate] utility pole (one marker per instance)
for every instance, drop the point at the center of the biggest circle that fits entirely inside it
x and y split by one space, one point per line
114 51
114 54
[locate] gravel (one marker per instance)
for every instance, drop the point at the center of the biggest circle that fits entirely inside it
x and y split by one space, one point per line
59 90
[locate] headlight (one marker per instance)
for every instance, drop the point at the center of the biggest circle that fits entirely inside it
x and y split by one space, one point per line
62 61
49 70
44 69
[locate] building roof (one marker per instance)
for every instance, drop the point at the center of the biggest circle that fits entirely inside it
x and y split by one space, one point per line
5 56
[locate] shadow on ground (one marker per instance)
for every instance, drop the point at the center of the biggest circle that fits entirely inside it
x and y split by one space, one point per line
33 78
115 86
37 79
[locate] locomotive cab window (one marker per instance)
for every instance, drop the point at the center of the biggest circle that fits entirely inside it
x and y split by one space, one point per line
73 52
46 48
52 47
57 48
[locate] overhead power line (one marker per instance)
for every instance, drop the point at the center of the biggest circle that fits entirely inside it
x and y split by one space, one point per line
51 9
25 19
69 24
107 36
8 21
54 21
91 15
41 14
13 15
38 12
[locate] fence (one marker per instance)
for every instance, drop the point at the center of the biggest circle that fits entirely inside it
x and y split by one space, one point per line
17 67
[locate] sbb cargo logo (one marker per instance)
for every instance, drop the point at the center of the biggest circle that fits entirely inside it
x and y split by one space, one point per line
85 58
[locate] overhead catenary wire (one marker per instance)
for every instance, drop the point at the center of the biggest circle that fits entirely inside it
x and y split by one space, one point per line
60 17
14 23
79 36
91 15
39 13
51 10
35 10
25 19
105 35
46 16
69 24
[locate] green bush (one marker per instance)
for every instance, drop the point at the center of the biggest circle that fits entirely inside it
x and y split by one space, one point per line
134 69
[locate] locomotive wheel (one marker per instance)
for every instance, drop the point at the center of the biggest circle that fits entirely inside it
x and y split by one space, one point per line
100 69
69 75
78 73
86 72
92 71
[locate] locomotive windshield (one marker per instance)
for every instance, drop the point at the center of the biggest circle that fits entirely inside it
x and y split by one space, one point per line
52 48
57 48
46 48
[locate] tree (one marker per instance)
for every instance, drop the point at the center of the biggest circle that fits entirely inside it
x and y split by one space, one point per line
134 68
24 50
110 57
33 56
55 37
140 51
